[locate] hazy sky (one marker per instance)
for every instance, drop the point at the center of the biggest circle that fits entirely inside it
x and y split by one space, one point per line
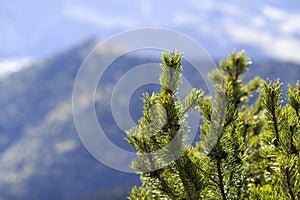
37 29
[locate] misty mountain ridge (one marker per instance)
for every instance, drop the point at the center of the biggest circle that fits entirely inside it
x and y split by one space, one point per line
41 156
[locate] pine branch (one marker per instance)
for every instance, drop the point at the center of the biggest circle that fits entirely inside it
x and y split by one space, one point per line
234 158
271 99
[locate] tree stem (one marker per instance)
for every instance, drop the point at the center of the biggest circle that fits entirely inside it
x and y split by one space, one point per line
274 118
288 182
221 184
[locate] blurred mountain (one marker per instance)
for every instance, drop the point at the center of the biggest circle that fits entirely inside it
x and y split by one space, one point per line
41 156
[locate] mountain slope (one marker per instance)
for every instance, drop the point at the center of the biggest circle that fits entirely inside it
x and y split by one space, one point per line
41 154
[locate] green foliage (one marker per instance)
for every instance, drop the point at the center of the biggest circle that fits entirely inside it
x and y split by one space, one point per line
246 150
281 154
160 138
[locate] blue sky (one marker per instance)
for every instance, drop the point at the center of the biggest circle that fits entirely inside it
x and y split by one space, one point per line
36 29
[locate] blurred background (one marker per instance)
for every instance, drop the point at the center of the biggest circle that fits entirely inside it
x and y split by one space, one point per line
43 44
